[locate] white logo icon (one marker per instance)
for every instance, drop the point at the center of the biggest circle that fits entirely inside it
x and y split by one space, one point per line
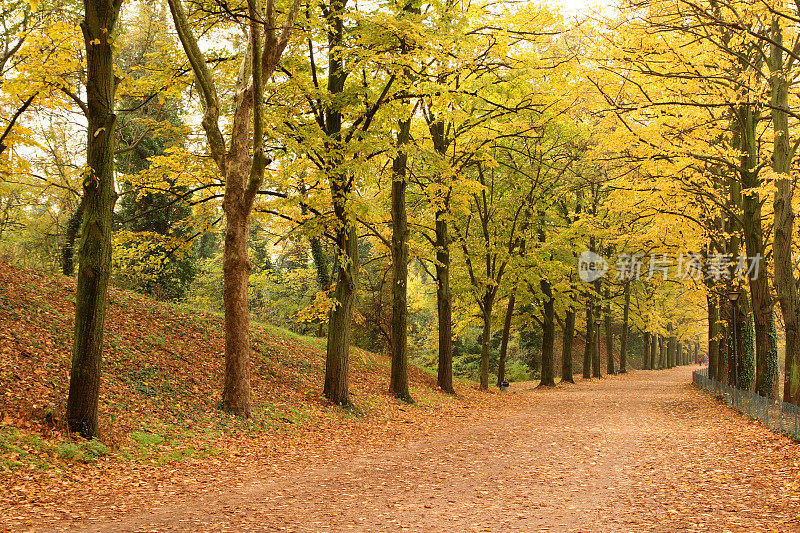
591 266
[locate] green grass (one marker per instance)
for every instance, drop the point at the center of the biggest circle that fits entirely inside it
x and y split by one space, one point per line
19 450
83 452
166 443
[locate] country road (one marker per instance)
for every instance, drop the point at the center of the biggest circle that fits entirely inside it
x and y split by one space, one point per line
645 451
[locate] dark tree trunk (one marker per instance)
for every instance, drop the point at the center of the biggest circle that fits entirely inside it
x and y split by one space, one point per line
566 346
320 262
713 335
68 250
588 347
94 269
548 336
673 359
337 360
782 155
761 305
488 303
598 334
399 374
653 351
444 304
609 336
501 365
623 341
646 357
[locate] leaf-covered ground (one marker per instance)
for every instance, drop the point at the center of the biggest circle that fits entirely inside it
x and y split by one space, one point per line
645 451
162 376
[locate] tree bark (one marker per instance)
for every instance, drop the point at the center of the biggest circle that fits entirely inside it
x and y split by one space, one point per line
660 364
653 351
566 346
754 246
548 336
398 385
488 302
784 281
337 360
646 357
444 305
713 335
588 347
236 269
243 170
68 250
623 341
444 301
596 348
94 269
501 364
610 369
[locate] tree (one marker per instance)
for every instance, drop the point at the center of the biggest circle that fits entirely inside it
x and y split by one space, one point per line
91 300
242 170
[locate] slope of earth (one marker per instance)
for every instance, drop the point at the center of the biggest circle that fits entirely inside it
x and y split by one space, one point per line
161 385
641 452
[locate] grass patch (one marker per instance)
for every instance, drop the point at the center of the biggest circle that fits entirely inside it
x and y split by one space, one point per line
86 451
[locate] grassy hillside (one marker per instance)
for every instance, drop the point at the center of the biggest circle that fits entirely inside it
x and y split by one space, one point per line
162 377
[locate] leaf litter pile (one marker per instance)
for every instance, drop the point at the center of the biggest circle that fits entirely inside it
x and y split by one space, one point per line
639 452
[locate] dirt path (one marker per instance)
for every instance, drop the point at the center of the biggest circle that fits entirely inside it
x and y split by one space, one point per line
640 452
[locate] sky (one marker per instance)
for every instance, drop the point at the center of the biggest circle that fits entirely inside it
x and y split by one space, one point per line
580 7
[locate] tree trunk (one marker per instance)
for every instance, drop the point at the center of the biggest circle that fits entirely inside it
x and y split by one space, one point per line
588 347
660 364
782 155
337 360
548 336
94 269
444 305
610 369
236 272
646 357
501 364
488 302
713 335
673 356
653 351
754 246
623 340
566 346
399 374
68 250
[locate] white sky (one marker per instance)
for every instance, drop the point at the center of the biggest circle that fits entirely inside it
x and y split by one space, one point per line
580 7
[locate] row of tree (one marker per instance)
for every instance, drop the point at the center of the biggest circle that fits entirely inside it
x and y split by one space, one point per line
451 156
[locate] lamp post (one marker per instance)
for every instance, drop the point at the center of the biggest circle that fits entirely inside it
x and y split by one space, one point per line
733 296
598 323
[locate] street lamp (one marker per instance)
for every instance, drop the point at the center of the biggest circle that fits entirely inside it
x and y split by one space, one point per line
598 323
733 296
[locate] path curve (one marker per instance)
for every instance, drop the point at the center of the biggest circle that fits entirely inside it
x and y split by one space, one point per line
644 451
